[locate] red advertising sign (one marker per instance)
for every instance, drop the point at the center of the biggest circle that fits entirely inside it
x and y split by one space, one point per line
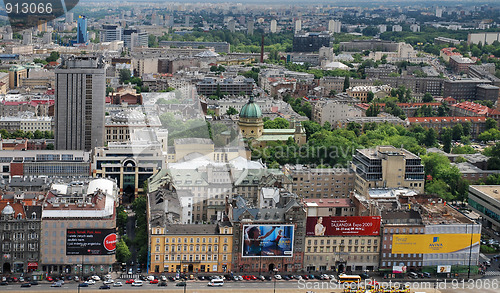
343 226
110 242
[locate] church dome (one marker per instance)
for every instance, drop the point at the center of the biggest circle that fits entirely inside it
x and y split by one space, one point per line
8 210
251 110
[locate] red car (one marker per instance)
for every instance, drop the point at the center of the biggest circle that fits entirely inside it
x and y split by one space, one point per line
155 281
247 278
129 281
49 278
252 277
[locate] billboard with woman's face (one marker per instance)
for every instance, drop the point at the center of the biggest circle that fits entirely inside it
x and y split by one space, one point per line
267 240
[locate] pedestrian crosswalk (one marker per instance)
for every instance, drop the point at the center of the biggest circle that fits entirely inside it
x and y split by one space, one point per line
492 273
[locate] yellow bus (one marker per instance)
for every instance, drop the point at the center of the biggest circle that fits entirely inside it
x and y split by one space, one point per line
349 279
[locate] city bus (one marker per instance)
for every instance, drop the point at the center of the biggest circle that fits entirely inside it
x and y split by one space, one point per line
349 279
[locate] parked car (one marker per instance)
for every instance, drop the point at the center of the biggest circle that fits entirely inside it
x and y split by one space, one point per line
117 284
137 283
105 286
56 284
95 278
163 278
91 282
77 279
427 275
154 281
26 285
150 278
50 279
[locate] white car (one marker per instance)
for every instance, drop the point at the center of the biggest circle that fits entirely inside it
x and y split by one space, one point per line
95 278
150 278
163 278
216 283
137 283
117 284
108 276
109 281
91 282
277 277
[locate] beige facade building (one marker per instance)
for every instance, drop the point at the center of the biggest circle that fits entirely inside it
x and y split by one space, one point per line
387 167
321 183
191 248
341 253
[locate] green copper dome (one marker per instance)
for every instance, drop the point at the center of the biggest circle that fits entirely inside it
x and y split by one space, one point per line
250 110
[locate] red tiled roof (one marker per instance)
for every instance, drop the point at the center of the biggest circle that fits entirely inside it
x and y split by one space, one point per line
477 108
18 208
445 119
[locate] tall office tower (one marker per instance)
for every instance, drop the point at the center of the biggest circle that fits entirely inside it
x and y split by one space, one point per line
334 26
82 35
250 27
79 108
274 26
134 38
69 17
298 25
111 32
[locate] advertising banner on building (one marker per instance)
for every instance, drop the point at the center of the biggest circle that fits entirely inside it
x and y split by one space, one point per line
267 240
342 226
398 269
433 243
90 241
443 269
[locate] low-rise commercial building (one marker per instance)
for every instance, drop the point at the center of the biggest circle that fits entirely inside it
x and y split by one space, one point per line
485 199
79 208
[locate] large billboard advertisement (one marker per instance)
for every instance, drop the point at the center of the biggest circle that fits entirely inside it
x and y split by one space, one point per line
342 226
432 243
90 241
267 240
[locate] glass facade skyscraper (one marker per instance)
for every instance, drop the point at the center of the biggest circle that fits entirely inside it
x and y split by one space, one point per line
82 35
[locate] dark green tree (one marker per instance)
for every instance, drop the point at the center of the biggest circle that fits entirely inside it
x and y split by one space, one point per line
346 83
446 138
490 124
231 111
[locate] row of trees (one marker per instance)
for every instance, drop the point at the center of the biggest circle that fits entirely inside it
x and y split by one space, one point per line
300 106
37 134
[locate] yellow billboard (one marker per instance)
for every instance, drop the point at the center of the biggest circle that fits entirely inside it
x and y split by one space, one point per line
432 243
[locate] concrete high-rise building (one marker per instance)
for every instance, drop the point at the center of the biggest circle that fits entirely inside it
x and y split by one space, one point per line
274 26
27 37
415 28
82 35
111 32
134 38
250 27
334 26
298 25
382 28
79 108
69 17
439 12
397 28
47 38
231 25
